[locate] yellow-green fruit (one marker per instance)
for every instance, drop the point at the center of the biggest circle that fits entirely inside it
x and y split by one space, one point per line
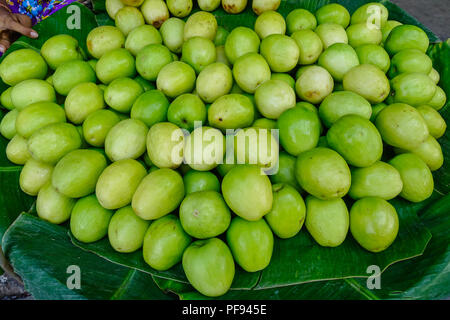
204 148
231 111
132 3
406 37
5 99
200 24
121 93
53 206
208 5
128 19
240 41
158 194
112 6
214 81
234 6
387 29
402 126
117 63
379 180
288 211
434 75
270 22
274 97
414 89
172 33
165 145
362 34
439 99
247 192
435 123
371 13
250 71
310 46
176 78
51 143
323 173
97 125
164 243
31 91
280 51
126 140
333 13
430 152
126 230
76 174
141 37
331 33
300 19
155 12
261 6
104 39
71 73
21 65
417 179
17 150
8 124
83 100
314 84
89 220
34 176
179 8
327 221
118 182
338 59
373 223
61 48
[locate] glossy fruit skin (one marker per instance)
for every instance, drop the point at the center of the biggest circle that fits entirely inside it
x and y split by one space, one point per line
338 59
268 23
274 97
185 110
342 103
172 33
234 6
89 220
175 79
313 84
198 52
357 140
128 19
204 148
164 243
221 36
5 99
37 116
281 52
402 126
261 6
417 179
8 124
214 81
97 125
364 13
286 171
71 73
323 173
373 223
53 206
179 8
430 152
380 180
117 142
21 65
283 77
76 174
200 24
49 144
434 75
150 107
196 181
231 111
310 46
34 176
104 39
288 211
327 221
435 123
333 13
158 194
151 59
251 243
299 130
331 33
439 99
247 192
209 266
118 182
241 41
17 150
251 70
32 91
155 12
368 81
405 37
300 19
142 36
59 49
413 88
115 64
121 93
410 60
375 55
387 29
204 214
361 34
84 99
209 5
165 139
126 230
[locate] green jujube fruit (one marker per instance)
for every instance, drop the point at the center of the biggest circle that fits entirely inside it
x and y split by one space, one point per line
240 41
299 130
376 109
274 97
89 220
439 99
209 266
214 81
417 179
247 192
198 52
126 231
371 13
204 214
158 194
331 33
338 59
76 174
200 24
435 123
165 143
82 100
172 33
104 39
53 206
71 73
342 103
264 123
8 124
250 71
380 180
185 110
61 48
142 36
118 182
117 142
357 140
402 126
251 243
155 12
34 176
300 19
5 99
362 34
145 84
196 181
17 150
430 152
375 55
373 223
21 65
121 93
231 111
327 221
268 23
405 37
151 59
32 91
117 63
434 75
309 44
288 211
411 60
52 142
323 173
333 13
176 78
281 52
128 19
414 89
150 107
97 125
164 243
286 171
313 84
283 77
387 29
204 148
209 5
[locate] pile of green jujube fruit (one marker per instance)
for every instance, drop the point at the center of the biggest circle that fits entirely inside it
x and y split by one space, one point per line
355 104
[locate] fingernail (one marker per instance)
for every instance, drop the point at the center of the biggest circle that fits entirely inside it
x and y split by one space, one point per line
2 48
34 34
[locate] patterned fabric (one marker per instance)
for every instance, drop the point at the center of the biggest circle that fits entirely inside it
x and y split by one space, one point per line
37 10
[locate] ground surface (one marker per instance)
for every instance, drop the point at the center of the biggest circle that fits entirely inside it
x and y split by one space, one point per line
434 14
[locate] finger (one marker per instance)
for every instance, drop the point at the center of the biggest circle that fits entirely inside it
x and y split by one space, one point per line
23 20
26 31
4 45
